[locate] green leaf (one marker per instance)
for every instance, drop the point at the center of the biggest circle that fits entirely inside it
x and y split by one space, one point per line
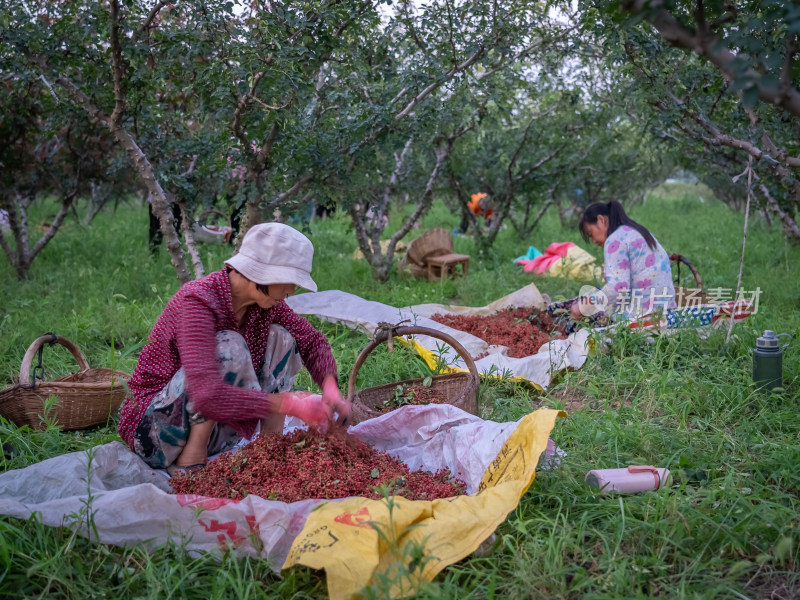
375 473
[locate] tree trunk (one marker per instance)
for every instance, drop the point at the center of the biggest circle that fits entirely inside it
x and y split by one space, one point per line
368 234
252 216
187 224
159 200
145 171
22 259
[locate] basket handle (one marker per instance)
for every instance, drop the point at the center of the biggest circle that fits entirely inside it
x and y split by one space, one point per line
384 334
679 258
27 360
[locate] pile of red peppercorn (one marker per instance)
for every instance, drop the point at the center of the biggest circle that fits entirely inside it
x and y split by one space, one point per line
415 395
308 464
522 330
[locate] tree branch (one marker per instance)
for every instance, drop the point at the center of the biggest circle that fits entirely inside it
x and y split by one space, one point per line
296 187
711 47
788 222
148 22
140 163
241 105
265 150
447 77
399 161
442 151
116 65
410 24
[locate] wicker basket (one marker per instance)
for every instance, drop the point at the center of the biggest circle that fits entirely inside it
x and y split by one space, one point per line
86 398
434 242
459 388
684 294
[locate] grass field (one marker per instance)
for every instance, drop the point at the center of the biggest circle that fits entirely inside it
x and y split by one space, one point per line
728 528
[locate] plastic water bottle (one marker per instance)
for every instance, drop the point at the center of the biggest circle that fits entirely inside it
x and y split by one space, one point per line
768 361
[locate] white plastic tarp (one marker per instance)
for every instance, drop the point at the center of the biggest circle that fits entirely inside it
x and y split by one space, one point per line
131 504
364 315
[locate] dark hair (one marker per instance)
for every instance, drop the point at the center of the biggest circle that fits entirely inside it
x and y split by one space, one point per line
261 287
616 218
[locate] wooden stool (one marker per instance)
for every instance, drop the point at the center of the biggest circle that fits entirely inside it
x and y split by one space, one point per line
439 266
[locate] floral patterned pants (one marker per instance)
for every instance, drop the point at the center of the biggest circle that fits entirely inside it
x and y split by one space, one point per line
164 428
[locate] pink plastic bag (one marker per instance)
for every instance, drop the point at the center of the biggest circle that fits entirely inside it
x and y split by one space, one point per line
634 478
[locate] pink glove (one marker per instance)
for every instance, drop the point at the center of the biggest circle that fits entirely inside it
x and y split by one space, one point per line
306 406
332 398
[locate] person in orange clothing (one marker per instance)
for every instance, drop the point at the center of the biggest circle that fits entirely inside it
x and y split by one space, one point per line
480 205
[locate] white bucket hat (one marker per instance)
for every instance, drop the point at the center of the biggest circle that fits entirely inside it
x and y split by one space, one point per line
275 253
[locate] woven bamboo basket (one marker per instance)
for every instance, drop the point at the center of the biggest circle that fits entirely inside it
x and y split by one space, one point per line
86 398
434 242
460 389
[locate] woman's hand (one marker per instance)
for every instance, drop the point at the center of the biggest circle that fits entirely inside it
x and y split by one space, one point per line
313 409
332 397
575 311
307 407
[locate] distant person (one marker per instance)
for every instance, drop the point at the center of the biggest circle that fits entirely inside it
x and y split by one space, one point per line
324 210
223 356
156 237
637 272
480 205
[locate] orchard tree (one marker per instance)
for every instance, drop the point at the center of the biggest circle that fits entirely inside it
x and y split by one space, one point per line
92 55
422 88
722 81
274 80
48 151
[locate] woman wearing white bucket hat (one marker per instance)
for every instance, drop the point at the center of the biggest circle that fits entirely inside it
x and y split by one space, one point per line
224 353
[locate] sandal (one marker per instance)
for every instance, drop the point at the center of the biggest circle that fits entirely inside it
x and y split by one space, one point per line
185 470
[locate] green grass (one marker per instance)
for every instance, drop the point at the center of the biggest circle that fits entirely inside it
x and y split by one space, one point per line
729 527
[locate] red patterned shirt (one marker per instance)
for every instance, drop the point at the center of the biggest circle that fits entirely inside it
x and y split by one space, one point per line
185 336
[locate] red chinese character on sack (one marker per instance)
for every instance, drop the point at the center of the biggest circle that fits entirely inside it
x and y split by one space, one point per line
229 531
360 518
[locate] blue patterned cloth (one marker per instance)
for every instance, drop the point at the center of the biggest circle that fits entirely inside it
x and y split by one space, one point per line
695 316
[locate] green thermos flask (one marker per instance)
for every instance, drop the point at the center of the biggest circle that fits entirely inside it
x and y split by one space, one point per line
768 361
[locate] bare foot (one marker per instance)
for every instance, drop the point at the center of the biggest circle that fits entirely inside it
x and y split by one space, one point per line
186 459
195 452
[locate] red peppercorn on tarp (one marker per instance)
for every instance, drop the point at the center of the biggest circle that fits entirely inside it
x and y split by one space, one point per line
110 495
365 315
